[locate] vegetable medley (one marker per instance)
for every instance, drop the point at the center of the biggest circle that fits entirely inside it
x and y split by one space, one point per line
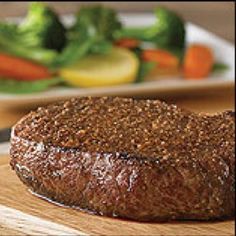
97 50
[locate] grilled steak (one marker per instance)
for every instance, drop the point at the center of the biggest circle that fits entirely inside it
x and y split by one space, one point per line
137 159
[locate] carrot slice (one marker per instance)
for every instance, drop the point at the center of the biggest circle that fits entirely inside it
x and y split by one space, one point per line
127 43
198 62
163 58
21 69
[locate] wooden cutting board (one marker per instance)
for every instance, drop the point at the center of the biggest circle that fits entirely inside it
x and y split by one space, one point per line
21 213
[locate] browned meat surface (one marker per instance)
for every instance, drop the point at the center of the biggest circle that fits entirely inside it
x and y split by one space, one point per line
137 159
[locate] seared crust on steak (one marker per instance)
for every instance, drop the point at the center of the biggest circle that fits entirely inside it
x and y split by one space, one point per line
137 159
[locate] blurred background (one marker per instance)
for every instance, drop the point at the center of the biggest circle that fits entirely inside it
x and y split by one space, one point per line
218 17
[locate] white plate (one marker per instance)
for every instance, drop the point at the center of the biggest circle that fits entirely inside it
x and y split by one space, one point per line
4 148
224 52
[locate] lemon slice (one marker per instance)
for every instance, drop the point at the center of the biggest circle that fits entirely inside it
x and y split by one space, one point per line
116 67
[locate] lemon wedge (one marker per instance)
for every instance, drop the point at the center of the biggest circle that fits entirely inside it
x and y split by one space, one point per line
119 66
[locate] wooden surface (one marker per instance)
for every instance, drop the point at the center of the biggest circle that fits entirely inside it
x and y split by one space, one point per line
21 213
18 218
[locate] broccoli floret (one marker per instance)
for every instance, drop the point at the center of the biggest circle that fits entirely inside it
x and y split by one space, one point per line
93 32
167 31
8 29
42 28
12 42
97 20
98 23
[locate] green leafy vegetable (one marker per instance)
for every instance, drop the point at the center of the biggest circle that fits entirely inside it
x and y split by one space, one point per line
24 87
26 42
12 42
73 52
92 32
219 67
42 28
9 30
98 21
178 52
101 47
144 69
168 30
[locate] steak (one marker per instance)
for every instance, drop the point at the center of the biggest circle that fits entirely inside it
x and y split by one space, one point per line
136 159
